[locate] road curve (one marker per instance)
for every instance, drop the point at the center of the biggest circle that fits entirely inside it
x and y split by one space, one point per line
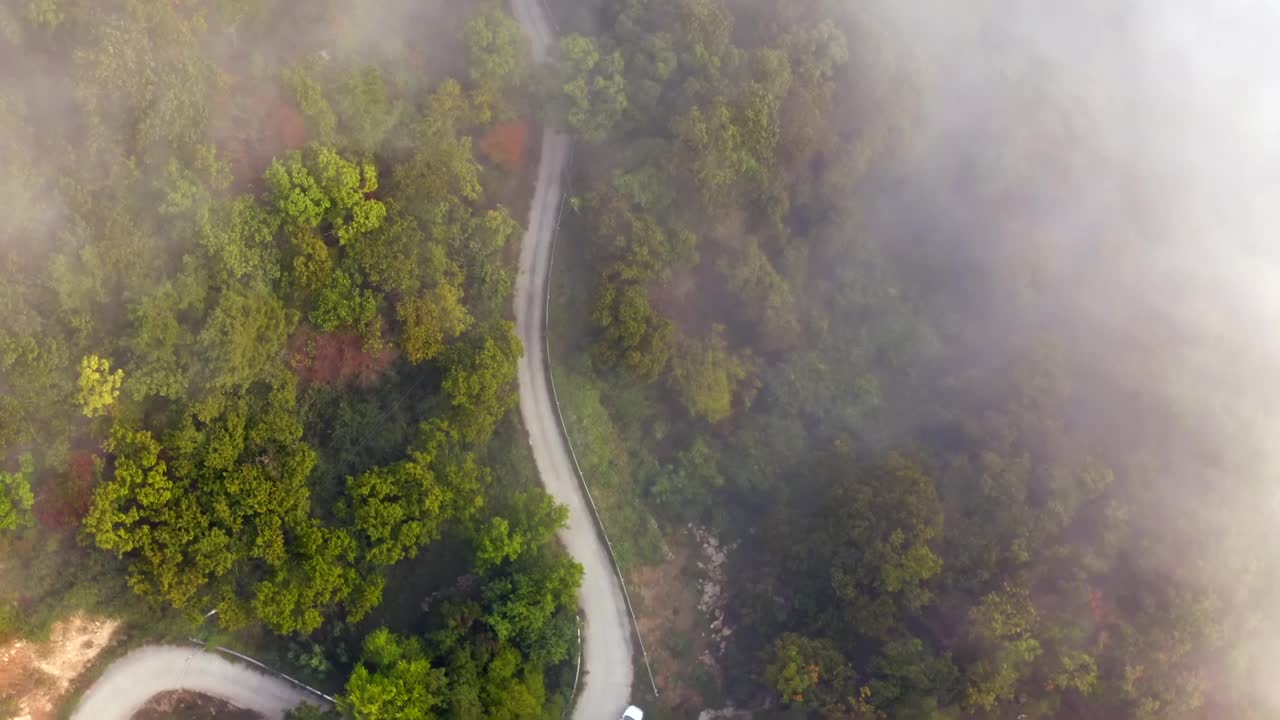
132 680
607 671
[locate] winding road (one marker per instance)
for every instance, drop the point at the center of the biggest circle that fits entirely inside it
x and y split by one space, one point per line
605 687
607 655
132 680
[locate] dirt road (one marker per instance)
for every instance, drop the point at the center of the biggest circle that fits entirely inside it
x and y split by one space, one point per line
606 664
129 682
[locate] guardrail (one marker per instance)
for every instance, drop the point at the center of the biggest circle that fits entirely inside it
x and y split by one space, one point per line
564 430
577 673
264 666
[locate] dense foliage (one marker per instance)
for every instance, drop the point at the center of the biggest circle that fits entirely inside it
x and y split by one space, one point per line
256 342
842 343
256 355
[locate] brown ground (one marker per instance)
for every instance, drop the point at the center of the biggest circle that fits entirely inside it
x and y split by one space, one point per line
336 359
183 705
677 633
64 500
507 145
34 677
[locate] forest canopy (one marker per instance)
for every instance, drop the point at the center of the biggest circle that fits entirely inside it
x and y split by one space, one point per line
835 265
888 297
257 348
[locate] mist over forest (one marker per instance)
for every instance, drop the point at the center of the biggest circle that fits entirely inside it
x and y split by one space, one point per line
918 356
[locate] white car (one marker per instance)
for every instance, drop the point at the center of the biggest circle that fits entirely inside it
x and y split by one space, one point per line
632 713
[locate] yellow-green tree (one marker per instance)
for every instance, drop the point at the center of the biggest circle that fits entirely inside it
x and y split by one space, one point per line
16 498
99 387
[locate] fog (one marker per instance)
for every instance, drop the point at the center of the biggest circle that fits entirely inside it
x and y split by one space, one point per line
1120 160
1148 232
1149 238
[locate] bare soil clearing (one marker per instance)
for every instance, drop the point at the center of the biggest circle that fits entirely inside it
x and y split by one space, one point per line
336 359
183 705
682 603
35 677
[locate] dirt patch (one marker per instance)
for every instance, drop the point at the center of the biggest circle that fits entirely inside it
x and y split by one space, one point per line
183 705
507 145
336 359
34 677
682 619
254 123
65 499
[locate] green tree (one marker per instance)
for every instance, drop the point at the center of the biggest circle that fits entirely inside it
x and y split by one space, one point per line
715 154
496 544
704 37
321 121
321 186
706 375
993 679
912 680
143 69
521 523
441 181
140 482
45 13
634 337
590 87
1003 624
510 689
296 194
392 257
766 297
240 237
430 320
1074 670
1003 614
495 50
868 545
319 573
633 241
224 519
651 62
16 498
399 508
191 188
685 488
812 673
393 681
341 302
313 263
478 380
244 339
449 110
365 110
520 605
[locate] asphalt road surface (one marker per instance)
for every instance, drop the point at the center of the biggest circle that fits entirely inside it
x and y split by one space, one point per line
607 671
132 680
